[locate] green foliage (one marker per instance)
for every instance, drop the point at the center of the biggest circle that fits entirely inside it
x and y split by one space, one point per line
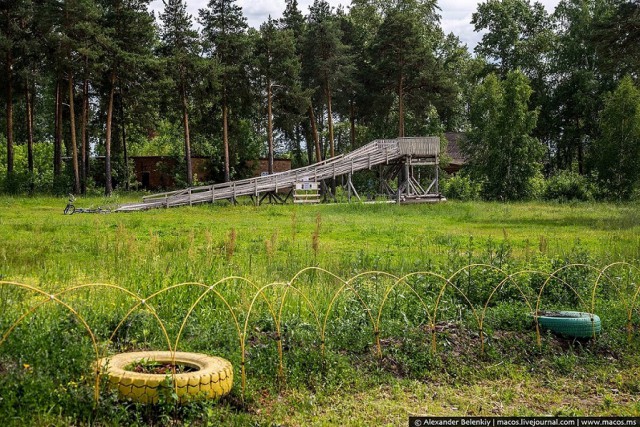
227 45
382 68
567 186
518 36
616 38
460 187
278 67
409 55
180 50
617 151
22 181
578 96
501 151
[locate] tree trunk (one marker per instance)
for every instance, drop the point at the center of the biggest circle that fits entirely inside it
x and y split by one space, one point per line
332 152
108 189
74 145
269 127
580 149
225 140
352 122
314 133
57 140
29 107
309 141
187 140
9 113
297 146
85 142
124 143
401 107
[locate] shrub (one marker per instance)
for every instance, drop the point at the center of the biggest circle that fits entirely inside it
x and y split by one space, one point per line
461 188
568 185
536 187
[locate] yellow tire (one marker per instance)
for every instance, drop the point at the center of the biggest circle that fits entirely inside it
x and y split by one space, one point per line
212 379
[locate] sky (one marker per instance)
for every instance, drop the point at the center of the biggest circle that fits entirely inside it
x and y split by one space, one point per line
456 14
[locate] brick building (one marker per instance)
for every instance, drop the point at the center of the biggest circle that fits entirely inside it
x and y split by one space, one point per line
261 166
157 172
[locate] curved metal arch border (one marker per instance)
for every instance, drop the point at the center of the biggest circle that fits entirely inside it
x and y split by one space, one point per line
54 298
403 280
240 333
345 285
507 278
634 299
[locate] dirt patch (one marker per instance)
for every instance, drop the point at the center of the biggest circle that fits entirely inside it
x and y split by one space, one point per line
7 366
158 368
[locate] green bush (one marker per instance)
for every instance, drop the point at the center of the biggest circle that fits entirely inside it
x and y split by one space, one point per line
21 181
568 185
537 185
461 188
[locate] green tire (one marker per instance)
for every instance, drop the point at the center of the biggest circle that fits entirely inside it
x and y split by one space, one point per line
570 323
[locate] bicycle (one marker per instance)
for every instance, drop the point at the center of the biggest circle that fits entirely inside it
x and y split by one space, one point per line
70 209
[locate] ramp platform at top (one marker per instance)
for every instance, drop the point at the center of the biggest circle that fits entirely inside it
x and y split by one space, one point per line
410 151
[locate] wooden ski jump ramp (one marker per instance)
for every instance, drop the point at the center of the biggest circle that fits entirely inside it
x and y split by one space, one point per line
395 158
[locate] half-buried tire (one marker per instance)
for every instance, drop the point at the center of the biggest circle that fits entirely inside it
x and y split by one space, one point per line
212 376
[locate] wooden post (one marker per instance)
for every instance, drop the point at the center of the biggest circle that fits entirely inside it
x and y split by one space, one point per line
437 177
233 186
406 176
255 189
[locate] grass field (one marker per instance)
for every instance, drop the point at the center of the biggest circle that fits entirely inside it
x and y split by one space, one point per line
45 363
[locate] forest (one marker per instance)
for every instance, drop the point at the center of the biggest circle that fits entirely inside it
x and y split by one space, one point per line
548 102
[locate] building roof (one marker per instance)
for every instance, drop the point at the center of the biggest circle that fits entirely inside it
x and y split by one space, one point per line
453 148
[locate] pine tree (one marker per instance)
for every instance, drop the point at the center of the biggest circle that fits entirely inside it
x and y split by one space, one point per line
326 58
80 31
293 19
127 43
295 111
403 58
278 67
353 96
86 51
180 48
225 39
12 39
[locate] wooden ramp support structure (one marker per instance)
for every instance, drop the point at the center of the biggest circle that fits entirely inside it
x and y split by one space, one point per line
395 158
